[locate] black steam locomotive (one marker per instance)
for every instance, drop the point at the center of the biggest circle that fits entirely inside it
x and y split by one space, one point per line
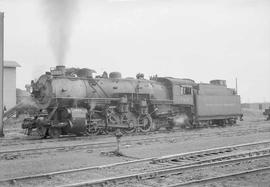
72 101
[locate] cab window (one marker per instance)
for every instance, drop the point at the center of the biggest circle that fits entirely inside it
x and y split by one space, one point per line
185 91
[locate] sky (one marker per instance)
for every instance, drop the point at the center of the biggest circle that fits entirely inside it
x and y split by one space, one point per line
201 40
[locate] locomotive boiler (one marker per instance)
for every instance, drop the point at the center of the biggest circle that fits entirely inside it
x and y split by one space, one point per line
73 101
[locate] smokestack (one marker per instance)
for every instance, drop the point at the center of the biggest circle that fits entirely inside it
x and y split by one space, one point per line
60 16
61 68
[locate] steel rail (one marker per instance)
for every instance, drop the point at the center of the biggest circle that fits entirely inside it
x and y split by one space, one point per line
43 175
109 144
222 177
209 151
76 138
248 153
87 137
159 172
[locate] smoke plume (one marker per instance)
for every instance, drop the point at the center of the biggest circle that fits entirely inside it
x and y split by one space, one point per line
60 18
28 101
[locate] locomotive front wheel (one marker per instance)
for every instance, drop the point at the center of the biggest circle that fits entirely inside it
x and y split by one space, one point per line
54 132
130 129
145 123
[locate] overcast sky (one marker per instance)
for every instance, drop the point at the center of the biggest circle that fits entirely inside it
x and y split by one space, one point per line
201 40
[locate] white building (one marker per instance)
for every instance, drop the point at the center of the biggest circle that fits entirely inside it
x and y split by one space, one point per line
10 83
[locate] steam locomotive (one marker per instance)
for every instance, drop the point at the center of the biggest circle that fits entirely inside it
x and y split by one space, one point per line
72 101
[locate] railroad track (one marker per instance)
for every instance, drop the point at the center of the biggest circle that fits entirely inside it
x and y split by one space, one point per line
33 140
222 177
240 129
176 170
162 166
92 145
19 141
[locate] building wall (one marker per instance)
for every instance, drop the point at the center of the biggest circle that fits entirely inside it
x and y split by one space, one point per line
9 87
257 106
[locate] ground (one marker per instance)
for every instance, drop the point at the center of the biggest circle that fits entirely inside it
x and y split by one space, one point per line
254 128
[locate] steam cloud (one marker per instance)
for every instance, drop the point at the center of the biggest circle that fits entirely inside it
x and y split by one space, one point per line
28 101
92 105
25 102
181 120
60 15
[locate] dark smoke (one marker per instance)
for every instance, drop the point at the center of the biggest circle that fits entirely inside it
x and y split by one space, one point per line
60 18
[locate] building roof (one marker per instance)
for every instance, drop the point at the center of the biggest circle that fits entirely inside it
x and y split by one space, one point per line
11 64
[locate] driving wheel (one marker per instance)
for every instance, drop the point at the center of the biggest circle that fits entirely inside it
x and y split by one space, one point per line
145 123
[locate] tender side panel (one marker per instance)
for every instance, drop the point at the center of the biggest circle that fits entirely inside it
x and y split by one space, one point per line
209 89
215 107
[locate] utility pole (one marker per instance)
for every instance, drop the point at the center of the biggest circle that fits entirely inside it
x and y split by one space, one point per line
236 86
1 73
